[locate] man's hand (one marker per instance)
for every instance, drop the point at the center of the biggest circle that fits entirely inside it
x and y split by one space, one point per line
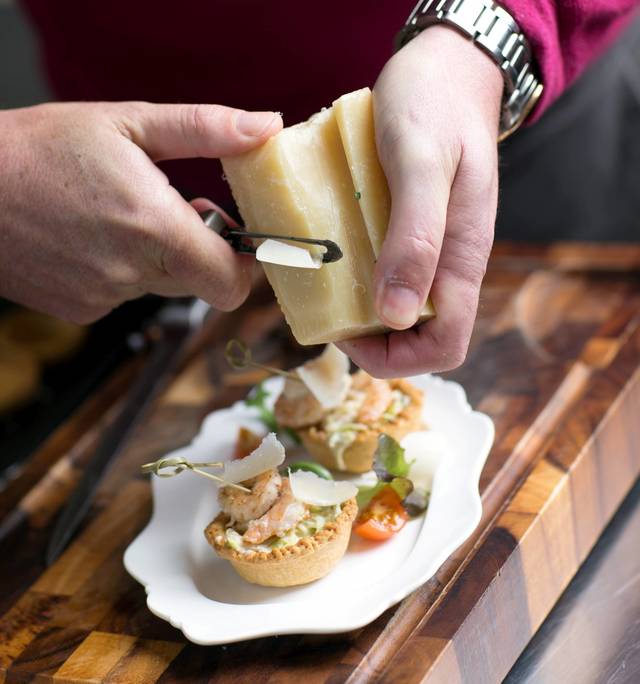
437 106
88 221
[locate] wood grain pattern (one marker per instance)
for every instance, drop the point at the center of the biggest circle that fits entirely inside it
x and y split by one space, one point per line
555 360
95 657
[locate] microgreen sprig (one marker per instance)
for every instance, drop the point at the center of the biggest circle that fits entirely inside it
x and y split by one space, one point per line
239 356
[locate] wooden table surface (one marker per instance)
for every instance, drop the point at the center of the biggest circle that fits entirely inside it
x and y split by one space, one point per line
555 361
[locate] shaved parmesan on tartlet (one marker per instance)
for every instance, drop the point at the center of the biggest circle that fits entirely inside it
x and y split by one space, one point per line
316 491
327 376
294 389
269 455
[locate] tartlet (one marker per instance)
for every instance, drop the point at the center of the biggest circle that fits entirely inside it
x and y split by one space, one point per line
358 456
309 559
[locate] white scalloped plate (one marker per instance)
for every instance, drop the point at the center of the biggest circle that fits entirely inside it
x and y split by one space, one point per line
188 585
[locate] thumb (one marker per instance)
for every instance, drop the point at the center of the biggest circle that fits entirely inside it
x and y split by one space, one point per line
181 131
197 261
407 263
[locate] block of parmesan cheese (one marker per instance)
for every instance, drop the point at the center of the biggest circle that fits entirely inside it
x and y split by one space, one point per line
354 114
321 179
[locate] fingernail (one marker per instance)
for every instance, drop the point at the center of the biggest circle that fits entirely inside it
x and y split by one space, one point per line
254 124
400 306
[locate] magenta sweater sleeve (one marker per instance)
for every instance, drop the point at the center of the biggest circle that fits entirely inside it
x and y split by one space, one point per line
565 35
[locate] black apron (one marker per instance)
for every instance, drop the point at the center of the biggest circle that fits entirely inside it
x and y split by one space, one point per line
575 174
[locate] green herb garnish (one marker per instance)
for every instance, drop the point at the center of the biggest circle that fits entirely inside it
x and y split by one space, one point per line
402 486
257 399
390 458
391 469
312 467
365 494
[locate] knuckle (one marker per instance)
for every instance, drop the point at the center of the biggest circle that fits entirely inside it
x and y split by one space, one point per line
467 256
126 276
169 249
195 119
196 122
449 340
456 355
452 352
232 296
408 121
417 258
102 282
153 241
408 132
127 116
421 249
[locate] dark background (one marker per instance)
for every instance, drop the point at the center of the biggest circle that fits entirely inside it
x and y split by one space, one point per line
21 83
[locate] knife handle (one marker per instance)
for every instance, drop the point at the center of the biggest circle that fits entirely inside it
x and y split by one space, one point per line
214 220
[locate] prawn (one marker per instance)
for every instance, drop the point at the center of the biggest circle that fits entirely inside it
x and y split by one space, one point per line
296 407
279 519
377 397
246 506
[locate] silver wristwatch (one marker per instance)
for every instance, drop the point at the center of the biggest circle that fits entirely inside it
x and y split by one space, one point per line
494 31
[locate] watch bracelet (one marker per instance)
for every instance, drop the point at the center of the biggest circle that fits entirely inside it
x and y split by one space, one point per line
494 31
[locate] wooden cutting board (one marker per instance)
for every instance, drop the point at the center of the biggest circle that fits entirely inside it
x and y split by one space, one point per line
555 361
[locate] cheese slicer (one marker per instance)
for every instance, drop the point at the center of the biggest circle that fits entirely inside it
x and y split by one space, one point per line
273 250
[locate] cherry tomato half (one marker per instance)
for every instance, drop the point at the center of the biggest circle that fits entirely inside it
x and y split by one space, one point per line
383 516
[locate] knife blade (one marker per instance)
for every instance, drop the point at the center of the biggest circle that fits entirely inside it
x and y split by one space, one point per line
277 251
282 254
174 322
